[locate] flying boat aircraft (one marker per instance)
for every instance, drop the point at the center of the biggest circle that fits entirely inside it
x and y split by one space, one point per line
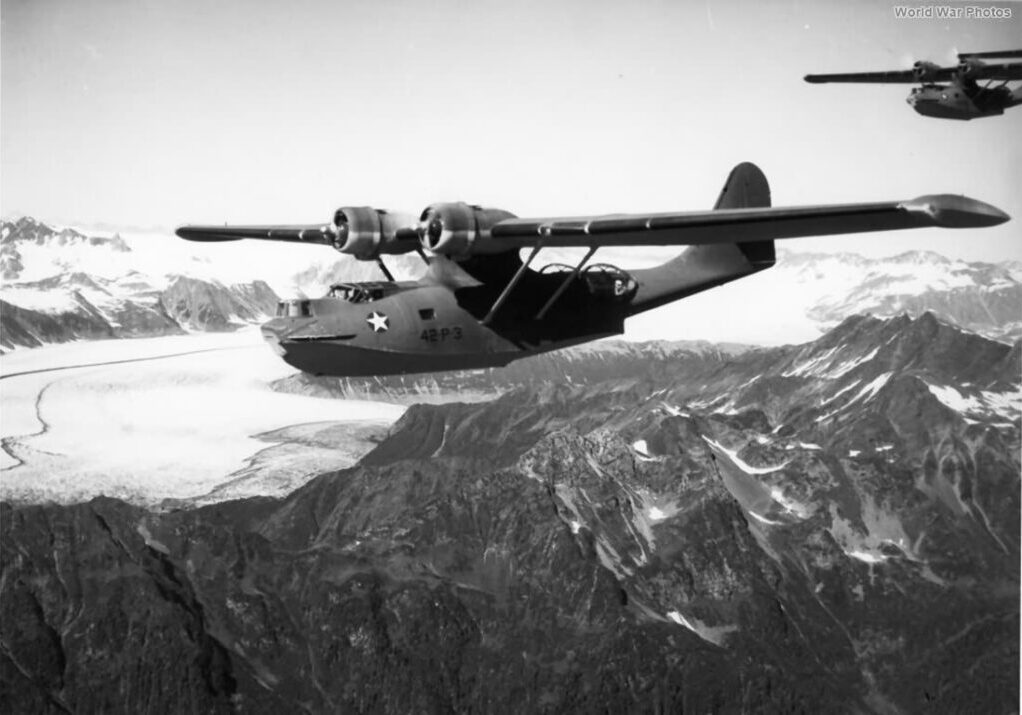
951 92
480 305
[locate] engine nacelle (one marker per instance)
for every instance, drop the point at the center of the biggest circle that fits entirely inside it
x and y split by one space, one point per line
365 232
925 71
459 229
969 67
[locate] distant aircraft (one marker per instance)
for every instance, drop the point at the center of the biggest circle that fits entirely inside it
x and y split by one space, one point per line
963 98
480 306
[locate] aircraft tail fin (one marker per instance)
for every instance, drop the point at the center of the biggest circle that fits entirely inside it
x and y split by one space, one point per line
700 268
746 187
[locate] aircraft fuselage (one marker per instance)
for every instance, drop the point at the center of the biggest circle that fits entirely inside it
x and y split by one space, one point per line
960 100
389 327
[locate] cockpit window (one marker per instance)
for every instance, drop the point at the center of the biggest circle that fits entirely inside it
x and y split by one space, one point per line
294 309
356 293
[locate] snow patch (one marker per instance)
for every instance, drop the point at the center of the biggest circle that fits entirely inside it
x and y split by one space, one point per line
51 302
871 389
840 392
674 411
950 397
866 556
642 450
711 634
790 505
1006 404
850 365
765 520
810 367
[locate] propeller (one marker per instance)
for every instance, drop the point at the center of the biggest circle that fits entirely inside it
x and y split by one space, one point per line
430 228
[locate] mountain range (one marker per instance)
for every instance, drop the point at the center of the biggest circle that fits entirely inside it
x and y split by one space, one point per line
826 527
62 285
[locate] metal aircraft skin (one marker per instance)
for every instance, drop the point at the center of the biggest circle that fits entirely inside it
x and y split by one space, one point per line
479 305
961 97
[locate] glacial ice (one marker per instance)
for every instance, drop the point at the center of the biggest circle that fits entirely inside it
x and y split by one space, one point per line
153 427
740 463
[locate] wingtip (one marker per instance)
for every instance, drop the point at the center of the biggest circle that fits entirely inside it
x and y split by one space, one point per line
953 211
204 234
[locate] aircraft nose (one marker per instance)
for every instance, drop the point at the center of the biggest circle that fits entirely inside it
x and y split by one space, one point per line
272 335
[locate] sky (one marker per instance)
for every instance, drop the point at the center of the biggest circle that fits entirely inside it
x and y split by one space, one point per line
156 113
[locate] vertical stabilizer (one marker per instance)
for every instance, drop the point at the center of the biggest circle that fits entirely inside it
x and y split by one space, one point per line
746 187
699 268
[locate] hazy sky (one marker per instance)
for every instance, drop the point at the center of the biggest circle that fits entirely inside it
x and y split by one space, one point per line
146 112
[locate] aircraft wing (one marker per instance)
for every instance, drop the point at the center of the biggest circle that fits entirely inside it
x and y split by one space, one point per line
312 233
742 225
942 74
1003 72
983 55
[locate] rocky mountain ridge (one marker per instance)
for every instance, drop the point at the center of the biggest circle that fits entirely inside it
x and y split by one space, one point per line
817 528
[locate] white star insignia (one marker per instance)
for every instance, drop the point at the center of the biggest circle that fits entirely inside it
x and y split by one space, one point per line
378 322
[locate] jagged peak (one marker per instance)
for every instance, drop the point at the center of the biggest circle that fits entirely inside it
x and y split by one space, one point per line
920 257
902 335
30 229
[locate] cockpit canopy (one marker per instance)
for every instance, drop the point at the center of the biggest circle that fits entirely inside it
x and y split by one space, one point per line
357 292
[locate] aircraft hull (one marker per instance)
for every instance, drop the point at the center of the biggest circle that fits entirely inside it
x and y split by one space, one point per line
338 359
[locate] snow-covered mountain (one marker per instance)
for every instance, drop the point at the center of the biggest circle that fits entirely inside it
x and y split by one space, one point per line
983 297
806 294
60 284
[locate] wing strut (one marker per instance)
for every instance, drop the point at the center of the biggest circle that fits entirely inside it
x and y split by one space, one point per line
510 286
564 285
383 267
